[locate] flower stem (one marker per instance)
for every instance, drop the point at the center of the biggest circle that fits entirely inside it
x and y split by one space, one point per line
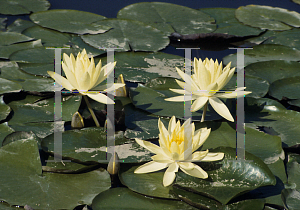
91 110
204 111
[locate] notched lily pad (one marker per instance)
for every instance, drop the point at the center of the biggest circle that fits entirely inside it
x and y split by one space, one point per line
72 21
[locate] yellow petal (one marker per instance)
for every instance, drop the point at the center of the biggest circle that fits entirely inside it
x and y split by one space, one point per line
199 155
233 94
170 175
84 82
199 103
61 80
196 172
174 148
204 133
150 167
213 157
149 146
100 97
186 165
220 108
172 125
161 158
70 75
177 98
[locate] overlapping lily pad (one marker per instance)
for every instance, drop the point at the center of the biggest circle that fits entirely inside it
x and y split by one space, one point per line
128 35
169 17
123 198
90 144
9 86
265 52
4 109
266 17
287 87
72 21
227 178
151 99
228 24
4 131
288 38
44 190
19 25
8 38
291 199
2 23
18 7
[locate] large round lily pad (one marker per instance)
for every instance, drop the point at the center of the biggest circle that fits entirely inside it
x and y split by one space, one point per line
72 21
266 17
288 38
9 86
8 38
128 35
287 87
44 190
19 25
18 7
169 17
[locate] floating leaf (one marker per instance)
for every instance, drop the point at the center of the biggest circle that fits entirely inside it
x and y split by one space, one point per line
123 198
18 7
265 52
296 1
266 17
2 23
19 25
125 37
72 21
4 109
291 199
287 87
228 24
9 86
287 38
38 68
169 17
44 190
4 131
8 38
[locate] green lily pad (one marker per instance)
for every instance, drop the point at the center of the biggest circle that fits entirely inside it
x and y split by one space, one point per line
3 23
19 25
44 190
38 68
265 52
125 37
287 87
287 38
148 64
50 38
293 171
227 178
89 144
19 7
151 97
296 1
291 199
6 51
123 198
20 135
37 109
285 122
258 86
4 131
4 109
72 21
169 17
295 102
273 70
9 86
228 24
266 17
8 38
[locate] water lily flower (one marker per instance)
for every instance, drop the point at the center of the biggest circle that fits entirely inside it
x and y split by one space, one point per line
82 75
204 85
122 90
178 150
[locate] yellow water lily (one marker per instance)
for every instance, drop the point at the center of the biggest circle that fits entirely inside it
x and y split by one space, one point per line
82 75
209 77
178 150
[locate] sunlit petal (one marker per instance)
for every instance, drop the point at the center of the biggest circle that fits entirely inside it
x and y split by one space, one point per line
170 175
100 97
199 103
149 146
150 167
61 80
213 157
196 172
221 108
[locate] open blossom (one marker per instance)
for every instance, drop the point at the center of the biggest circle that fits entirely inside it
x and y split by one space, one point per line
178 150
209 77
82 75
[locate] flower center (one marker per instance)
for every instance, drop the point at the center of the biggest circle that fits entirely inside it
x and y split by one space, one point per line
179 138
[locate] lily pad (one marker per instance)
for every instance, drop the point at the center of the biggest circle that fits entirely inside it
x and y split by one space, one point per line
291 199
4 109
227 178
90 144
287 87
4 131
123 198
37 109
295 102
287 38
6 51
8 38
296 1
125 37
144 66
19 25
72 21
169 18
228 24
9 86
44 190
151 97
273 70
265 52
266 17
19 7
38 68
3 23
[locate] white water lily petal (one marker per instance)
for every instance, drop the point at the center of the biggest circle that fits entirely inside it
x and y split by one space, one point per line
161 158
186 166
61 80
221 108
199 155
213 157
149 146
70 75
177 98
199 103
150 167
233 94
170 175
100 97
196 172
